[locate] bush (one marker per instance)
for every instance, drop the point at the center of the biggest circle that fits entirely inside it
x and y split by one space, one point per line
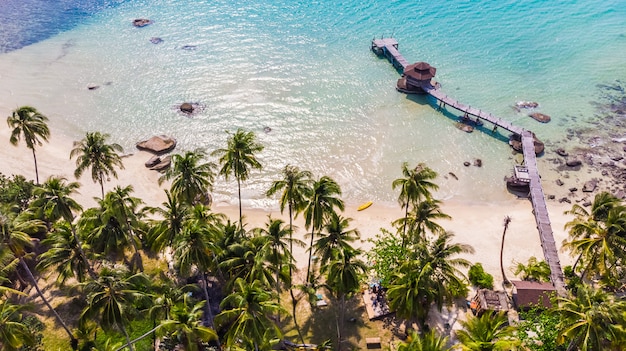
479 278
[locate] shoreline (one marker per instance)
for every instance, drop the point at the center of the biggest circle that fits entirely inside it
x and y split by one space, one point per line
479 224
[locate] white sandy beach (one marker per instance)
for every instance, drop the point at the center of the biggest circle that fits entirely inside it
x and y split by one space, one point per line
477 224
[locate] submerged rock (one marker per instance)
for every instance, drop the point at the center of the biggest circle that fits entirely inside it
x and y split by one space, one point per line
187 107
141 22
540 117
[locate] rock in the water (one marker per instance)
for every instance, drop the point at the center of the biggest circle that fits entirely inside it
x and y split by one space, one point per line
186 107
526 104
590 185
478 162
561 152
157 144
156 40
141 22
573 162
163 165
153 161
93 87
267 129
464 127
540 117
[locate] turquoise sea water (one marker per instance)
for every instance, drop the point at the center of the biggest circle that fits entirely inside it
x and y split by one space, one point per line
305 70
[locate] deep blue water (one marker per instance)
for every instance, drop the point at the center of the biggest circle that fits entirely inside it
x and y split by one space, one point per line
25 22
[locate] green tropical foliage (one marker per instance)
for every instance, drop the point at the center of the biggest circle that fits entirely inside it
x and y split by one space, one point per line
489 332
479 278
429 341
534 270
191 178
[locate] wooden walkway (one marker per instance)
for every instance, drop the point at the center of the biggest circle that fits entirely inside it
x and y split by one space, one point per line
388 47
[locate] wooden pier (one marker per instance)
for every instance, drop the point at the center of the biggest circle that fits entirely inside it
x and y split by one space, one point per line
388 47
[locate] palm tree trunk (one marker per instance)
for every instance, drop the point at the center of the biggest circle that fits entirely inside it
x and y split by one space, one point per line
73 340
101 186
507 220
406 218
342 312
308 267
132 342
128 343
36 170
277 271
293 297
240 212
208 300
83 256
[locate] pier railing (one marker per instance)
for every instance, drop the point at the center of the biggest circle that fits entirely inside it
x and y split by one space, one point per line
388 47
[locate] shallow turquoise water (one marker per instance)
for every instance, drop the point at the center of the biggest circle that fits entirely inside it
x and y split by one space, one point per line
305 70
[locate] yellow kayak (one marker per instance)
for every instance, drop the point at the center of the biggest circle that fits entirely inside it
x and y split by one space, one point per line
365 205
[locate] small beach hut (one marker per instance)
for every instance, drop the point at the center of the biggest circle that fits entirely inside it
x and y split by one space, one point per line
528 294
489 300
415 76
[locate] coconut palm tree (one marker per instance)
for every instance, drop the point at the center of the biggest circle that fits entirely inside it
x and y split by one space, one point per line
343 277
14 334
335 238
238 158
125 209
296 188
489 332
432 275
162 232
63 254
277 242
31 125
111 299
52 202
415 186
247 313
321 203
185 326
191 179
15 236
598 240
591 319
422 218
429 341
93 152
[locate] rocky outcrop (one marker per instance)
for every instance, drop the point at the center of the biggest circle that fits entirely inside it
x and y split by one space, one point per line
573 162
153 161
163 165
540 117
158 144
590 185
141 22
186 107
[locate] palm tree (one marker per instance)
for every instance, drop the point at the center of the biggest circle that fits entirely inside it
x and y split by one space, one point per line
191 179
421 218
110 299
598 237
343 277
415 186
277 245
124 208
14 334
163 232
429 341
591 320
335 238
93 152
185 326
63 254
28 123
431 276
247 313
53 202
250 259
238 158
507 221
488 332
322 201
15 236
296 188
